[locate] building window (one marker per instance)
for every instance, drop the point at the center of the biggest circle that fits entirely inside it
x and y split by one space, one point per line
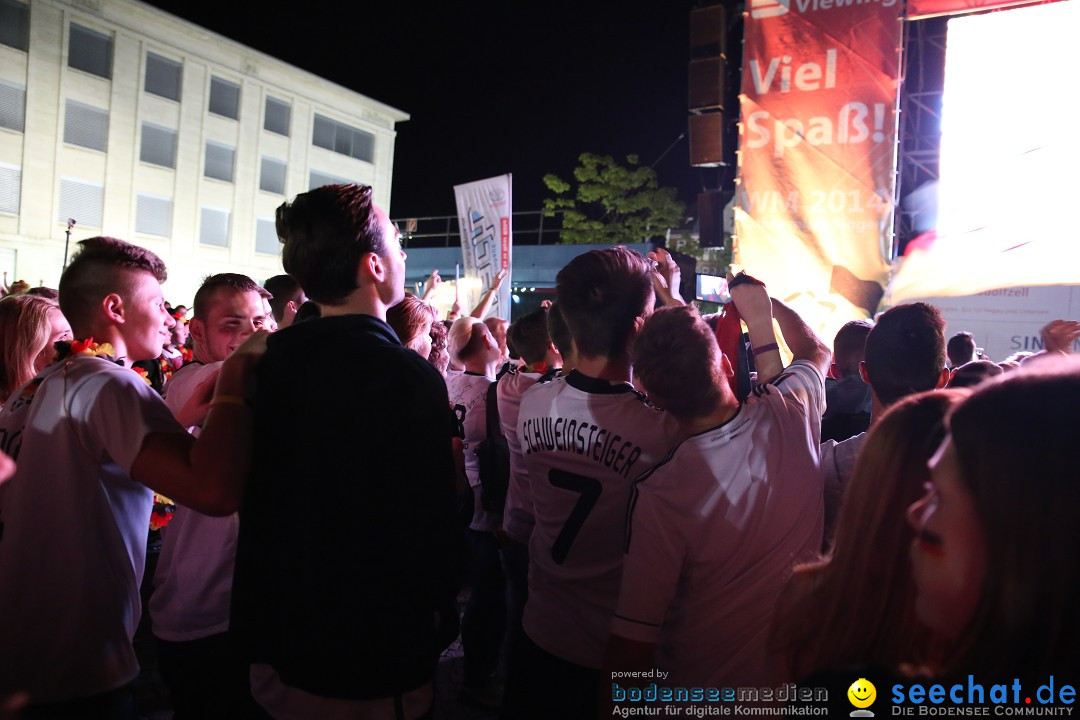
153 215
219 161
343 139
81 201
163 76
272 176
224 98
12 106
90 51
318 179
86 126
158 145
10 181
15 24
266 238
214 227
278 114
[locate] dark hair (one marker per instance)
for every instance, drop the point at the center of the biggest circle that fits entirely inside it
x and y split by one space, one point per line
972 373
558 330
678 361
212 283
529 336
282 289
905 351
600 294
97 270
961 348
45 292
849 346
326 231
1025 488
308 311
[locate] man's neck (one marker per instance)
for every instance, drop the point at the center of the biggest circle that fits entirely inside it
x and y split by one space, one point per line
724 411
206 358
480 367
361 301
606 368
107 334
877 408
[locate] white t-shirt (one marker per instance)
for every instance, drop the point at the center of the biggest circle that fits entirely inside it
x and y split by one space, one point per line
838 464
73 543
518 511
468 398
583 442
193 582
714 531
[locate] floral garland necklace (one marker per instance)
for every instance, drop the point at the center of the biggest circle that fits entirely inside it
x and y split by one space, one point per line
163 507
70 348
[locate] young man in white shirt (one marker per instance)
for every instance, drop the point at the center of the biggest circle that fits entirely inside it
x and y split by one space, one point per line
583 438
91 438
541 363
716 526
482 625
189 608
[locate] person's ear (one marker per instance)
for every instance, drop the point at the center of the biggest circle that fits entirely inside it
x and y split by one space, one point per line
863 373
369 269
113 306
944 378
726 366
197 330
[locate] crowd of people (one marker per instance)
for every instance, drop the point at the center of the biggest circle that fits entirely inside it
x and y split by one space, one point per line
602 475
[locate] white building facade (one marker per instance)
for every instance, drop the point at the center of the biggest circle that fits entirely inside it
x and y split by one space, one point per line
142 126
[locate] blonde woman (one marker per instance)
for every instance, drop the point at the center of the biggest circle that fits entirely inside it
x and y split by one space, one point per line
29 325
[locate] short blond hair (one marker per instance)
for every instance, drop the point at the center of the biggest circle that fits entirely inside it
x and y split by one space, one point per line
465 338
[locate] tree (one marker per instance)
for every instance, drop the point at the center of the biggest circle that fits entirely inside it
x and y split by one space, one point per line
613 204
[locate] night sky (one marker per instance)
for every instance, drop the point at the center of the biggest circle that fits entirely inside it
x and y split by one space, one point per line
564 78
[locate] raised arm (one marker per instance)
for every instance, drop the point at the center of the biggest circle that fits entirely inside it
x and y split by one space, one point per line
757 311
485 302
801 340
666 278
431 284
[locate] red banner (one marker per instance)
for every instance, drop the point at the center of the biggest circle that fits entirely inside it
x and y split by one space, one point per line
817 152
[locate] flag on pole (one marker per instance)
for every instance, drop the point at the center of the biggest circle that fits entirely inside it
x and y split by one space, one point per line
484 214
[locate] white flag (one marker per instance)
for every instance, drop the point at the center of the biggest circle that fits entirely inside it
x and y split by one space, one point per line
484 213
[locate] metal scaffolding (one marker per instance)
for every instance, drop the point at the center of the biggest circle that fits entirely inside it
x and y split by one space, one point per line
922 87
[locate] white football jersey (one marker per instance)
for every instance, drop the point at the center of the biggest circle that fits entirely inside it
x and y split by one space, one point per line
583 441
518 512
468 398
714 531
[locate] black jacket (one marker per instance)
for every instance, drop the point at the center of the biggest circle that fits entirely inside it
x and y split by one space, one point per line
348 547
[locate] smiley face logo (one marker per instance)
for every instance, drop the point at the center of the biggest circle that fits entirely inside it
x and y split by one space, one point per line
862 694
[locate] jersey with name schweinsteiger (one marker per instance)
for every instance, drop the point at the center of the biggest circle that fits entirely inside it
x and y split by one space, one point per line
583 441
